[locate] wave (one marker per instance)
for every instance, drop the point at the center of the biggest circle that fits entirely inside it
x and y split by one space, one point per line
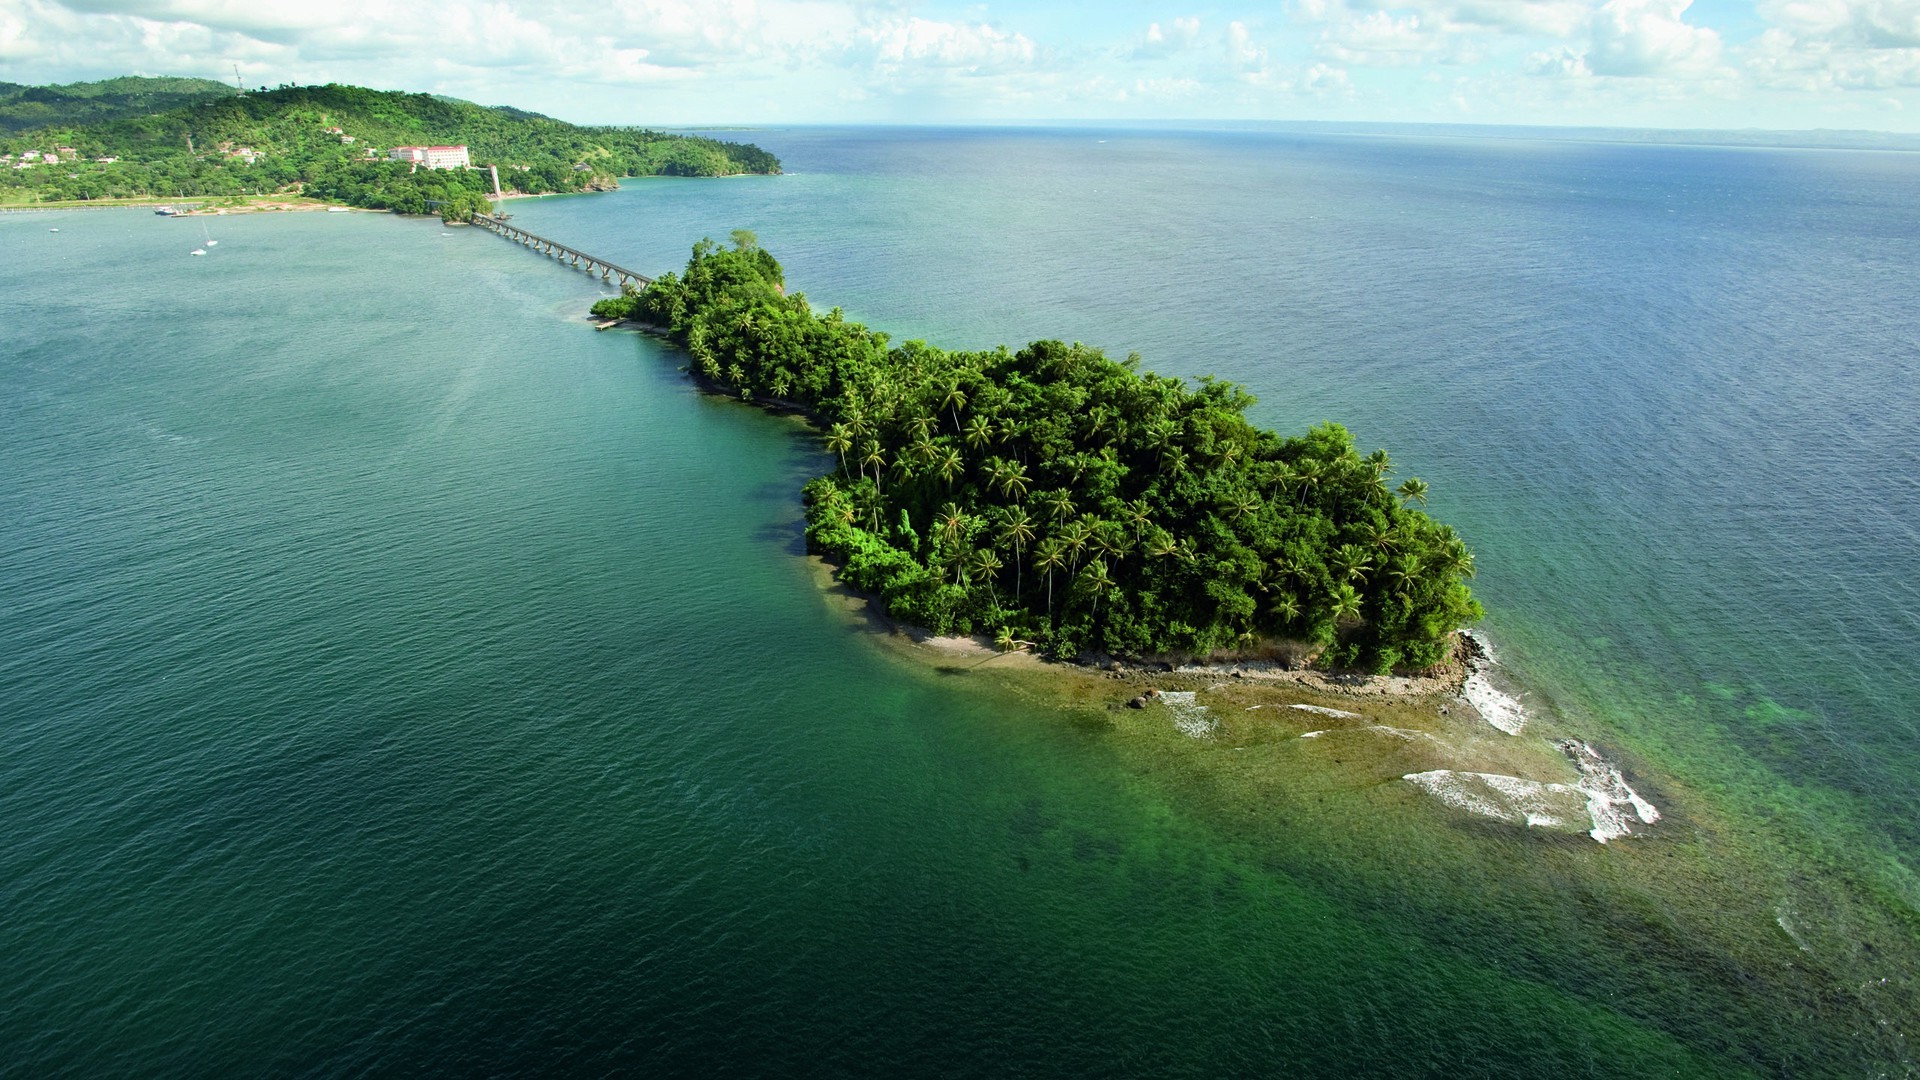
1602 796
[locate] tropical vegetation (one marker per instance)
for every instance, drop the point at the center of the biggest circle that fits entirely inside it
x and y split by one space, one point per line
189 141
1054 495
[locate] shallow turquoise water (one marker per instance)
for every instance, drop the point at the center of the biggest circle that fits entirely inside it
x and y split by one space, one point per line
398 676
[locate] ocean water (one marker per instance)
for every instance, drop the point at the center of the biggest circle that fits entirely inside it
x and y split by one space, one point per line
397 676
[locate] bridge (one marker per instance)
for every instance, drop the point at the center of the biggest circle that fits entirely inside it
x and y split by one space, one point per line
580 260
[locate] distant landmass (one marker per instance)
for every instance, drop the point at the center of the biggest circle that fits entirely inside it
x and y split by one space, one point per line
185 138
24 108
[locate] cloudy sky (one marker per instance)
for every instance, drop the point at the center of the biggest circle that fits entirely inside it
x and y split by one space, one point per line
1781 64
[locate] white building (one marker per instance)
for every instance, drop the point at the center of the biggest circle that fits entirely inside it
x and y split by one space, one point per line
433 157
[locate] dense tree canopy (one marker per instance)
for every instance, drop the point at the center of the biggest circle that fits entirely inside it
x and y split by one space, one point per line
316 140
1058 496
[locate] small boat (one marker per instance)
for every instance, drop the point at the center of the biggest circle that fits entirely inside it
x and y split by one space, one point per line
166 211
53 230
198 251
337 209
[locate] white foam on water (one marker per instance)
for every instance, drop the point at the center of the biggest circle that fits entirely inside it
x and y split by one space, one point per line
1324 711
1610 805
1502 798
1193 719
1500 709
1485 643
1610 801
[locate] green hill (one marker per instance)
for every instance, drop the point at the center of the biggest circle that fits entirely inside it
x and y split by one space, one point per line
23 108
331 141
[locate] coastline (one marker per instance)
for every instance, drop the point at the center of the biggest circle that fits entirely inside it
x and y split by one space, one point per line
1427 734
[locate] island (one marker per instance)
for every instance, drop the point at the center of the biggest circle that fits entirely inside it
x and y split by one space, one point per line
130 138
1056 498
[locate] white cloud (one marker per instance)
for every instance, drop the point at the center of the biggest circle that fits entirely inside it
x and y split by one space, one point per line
1873 24
1380 39
1164 40
1650 38
1242 50
929 43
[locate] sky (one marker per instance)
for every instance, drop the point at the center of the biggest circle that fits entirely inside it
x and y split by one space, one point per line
1721 64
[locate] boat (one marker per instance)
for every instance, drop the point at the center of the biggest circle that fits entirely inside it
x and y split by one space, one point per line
198 251
338 209
166 211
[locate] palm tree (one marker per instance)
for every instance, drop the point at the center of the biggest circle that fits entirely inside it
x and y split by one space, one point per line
1014 481
1049 556
1098 580
1344 603
1241 505
1351 560
1059 504
1287 608
996 470
1016 529
923 448
1405 572
987 565
949 465
1076 536
1136 515
950 519
1412 490
840 440
979 432
955 398
876 458
1382 537
1109 539
1162 544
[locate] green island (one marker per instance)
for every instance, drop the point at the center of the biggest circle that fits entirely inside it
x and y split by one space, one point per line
133 138
1060 499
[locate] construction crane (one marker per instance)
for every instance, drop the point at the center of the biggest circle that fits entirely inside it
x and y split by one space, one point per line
238 85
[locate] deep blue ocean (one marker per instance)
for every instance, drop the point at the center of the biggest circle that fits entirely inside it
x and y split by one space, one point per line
398 676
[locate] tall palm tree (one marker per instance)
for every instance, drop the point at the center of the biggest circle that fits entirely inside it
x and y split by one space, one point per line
1049 556
1136 515
1075 536
1016 528
950 519
949 465
840 440
988 565
1059 504
954 398
1412 490
1098 580
1013 481
875 457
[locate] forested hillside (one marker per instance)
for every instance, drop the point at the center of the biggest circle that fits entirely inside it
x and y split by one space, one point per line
331 142
23 108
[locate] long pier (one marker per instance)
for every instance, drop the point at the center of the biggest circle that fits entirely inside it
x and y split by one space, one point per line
578 259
